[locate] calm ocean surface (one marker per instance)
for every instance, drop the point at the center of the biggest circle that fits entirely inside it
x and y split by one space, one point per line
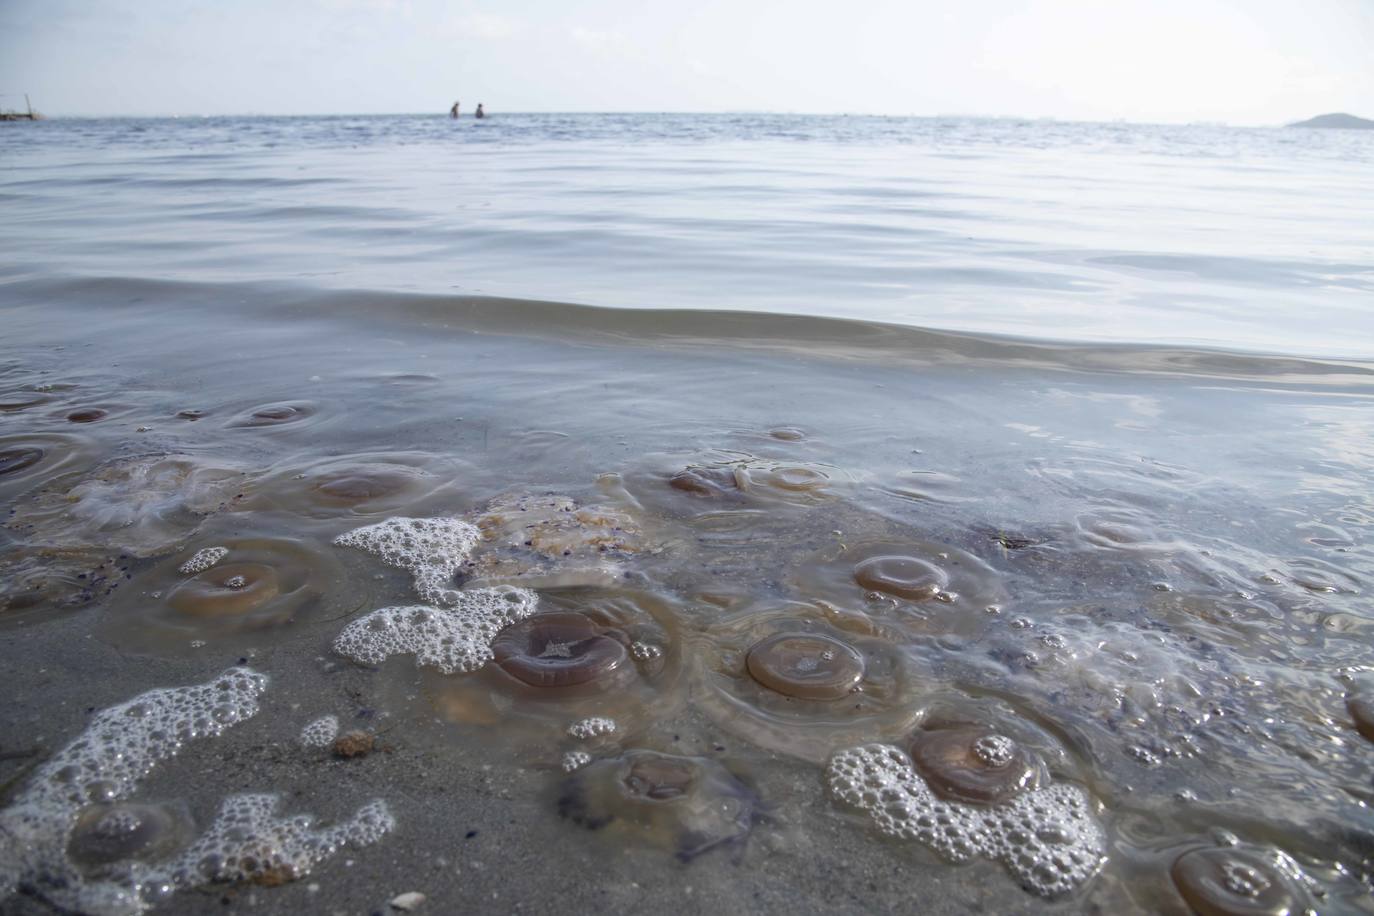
1252 239
969 514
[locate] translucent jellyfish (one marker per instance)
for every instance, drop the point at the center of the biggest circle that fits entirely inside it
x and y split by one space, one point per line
273 415
1240 881
142 507
903 577
806 666
257 584
104 834
563 651
686 805
974 764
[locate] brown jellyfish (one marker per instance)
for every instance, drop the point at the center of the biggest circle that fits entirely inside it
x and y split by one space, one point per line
973 763
109 833
902 577
19 458
797 479
87 415
787 433
687 805
805 680
563 652
806 666
704 481
230 590
1239 881
1361 709
273 415
259 584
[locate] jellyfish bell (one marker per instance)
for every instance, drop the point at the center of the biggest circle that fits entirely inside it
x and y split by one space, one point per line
30 459
562 652
106 834
1239 881
19 458
705 481
260 584
87 415
610 653
368 483
806 666
685 805
230 590
805 680
975 764
273 415
1361 709
906 577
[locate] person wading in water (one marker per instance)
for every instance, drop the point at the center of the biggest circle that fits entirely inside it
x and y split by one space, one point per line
480 113
453 112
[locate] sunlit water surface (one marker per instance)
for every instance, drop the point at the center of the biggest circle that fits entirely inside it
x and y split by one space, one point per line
1102 390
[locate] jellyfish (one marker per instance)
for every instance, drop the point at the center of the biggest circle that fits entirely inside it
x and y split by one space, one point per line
108 833
975 764
686 805
806 666
1239 881
902 577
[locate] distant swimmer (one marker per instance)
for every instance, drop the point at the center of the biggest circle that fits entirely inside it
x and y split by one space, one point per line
453 112
480 113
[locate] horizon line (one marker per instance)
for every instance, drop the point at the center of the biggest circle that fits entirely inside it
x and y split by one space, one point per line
1197 122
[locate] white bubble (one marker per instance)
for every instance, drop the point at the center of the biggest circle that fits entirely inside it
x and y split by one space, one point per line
591 727
575 760
321 732
431 549
203 559
121 746
1047 838
452 639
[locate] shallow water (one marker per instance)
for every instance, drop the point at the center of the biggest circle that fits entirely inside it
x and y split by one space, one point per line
1146 565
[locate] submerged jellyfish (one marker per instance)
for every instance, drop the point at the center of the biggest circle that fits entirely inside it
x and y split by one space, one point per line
104 834
15 459
687 805
806 666
902 577
705 481
87 415
975 764
273 415
563 651
1240 881
241 586
1361 709
231 590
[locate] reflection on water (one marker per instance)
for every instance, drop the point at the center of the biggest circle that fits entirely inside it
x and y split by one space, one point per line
1139 597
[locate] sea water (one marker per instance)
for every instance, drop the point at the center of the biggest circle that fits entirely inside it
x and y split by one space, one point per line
1062 431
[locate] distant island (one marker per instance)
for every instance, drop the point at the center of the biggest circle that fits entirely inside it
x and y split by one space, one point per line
1340 120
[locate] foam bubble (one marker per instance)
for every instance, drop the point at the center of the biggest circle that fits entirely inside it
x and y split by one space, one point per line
321 732
575 760
591 727
431 549
203 559
1046 838
247 841
452 639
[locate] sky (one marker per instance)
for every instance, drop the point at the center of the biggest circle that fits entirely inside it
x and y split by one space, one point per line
1232 61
